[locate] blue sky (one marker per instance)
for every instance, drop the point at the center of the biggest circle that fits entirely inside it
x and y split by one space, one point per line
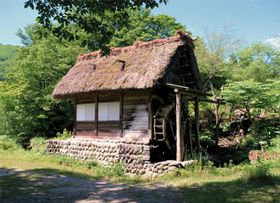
251 20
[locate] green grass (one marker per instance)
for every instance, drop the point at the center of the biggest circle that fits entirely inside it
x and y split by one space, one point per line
29 160
243 183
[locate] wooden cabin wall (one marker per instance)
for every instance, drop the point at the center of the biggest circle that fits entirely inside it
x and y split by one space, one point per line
109 128
84 129
183 69
133 121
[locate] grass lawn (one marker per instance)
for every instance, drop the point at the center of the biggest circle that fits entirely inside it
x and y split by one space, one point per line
195 185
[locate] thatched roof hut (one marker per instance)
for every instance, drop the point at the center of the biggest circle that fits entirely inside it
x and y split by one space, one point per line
135 94
139 66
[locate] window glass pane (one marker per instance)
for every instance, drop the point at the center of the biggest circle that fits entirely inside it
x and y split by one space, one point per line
103 111
109 111
114 111
90 112
80 112
86 112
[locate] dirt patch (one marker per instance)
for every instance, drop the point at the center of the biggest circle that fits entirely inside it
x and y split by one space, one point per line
48 186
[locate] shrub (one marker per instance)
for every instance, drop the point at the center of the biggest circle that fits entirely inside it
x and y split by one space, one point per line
275 143
90 164
38 145
8 143
265 129
67 161
64 135
206 140
258 173
117 170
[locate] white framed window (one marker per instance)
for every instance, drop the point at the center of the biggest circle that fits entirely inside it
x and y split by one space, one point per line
109 111
86 112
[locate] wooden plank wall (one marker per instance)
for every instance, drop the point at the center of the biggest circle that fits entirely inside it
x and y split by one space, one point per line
134 118
135 113
85 129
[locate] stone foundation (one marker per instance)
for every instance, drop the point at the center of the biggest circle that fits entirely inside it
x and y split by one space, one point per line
134 155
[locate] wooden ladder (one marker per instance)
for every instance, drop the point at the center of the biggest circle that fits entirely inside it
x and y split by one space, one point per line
159 128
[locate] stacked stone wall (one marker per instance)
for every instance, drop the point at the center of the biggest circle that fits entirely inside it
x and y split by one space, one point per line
134 155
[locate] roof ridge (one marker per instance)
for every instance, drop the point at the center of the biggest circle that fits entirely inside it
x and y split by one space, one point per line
138 44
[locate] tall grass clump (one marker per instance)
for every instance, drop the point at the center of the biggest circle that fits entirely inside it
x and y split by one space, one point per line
38 145
64 135
257 173
8 143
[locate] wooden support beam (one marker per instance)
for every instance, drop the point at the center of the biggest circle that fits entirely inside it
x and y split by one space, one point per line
188 132
196 131
96 115
179 136
121 115
75 117
187 90
150 121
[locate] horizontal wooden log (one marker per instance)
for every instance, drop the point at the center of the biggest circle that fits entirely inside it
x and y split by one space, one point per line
134 106
108 134
137 128
130 118
85 133
135 99
136 122
84 125
108 125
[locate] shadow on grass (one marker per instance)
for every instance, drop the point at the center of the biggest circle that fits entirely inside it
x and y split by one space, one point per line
234 191
50 185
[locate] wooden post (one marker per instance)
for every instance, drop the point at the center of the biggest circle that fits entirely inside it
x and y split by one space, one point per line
150 119
196 131
189 134
121 115
75 117
96 115
179 137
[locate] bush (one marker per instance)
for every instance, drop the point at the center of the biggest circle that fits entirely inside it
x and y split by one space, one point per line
275 144
38 145
258 173
8 143
265 129
64 135
206 140
117 170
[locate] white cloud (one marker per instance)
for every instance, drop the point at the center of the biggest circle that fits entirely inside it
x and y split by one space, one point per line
274 42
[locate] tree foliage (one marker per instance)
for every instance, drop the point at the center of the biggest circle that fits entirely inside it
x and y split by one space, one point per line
26 104
258 62
7 52
213 50
97 17
26 91
253 96
143 26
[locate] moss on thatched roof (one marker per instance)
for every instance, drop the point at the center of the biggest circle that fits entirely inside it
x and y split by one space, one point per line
133 67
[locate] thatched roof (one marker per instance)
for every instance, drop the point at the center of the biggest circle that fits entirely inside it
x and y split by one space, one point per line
133 67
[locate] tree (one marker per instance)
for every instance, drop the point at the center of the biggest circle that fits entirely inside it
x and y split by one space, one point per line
7 52
253 96
99 18
142 26
258 62
25 93
213 52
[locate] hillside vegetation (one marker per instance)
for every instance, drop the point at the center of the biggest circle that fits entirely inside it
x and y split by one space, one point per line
7 52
